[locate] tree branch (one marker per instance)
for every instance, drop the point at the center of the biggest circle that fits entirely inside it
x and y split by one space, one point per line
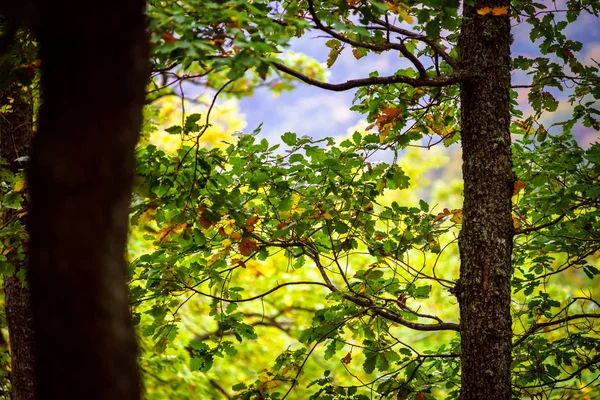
422 38
443 80
258 296
376 47
537 326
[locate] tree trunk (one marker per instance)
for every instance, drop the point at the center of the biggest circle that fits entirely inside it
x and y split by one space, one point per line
94 72
485 241
16 131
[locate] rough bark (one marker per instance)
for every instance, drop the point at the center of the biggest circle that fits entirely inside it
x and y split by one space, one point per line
94 72
486 238
16 131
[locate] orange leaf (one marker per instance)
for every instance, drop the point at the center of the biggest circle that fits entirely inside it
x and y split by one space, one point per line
347 358
518 186
163 233
282 225
516 222
495 11
420 396
236 236
250 222
441 215
167 37
379 236
498 11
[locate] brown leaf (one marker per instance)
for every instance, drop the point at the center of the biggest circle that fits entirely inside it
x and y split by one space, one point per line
247 246
568 53
518 186
251 221
205 222
347 358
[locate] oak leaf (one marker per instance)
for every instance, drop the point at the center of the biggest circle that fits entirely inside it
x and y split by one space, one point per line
457 216
167 37
347 358
518 186
20 186
247 246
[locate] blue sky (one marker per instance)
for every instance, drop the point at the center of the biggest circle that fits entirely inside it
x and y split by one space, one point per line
316 112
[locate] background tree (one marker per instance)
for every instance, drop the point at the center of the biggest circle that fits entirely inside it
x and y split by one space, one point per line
16 131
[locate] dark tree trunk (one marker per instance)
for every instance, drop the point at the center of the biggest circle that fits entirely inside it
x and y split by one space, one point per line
486 238
16 131
94 70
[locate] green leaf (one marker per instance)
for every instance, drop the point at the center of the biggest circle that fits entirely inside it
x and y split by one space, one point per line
289 138
239 386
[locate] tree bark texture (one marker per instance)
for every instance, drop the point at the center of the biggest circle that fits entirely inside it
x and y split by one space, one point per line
16 132
94 63
485 241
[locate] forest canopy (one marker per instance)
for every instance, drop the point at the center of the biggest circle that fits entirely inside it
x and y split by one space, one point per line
357 263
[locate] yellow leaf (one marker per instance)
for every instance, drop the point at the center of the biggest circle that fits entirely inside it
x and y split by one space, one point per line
226 242
20 186
8 249
484 11
326 215
457 216
265 376
384 133
146 216
405 16
516 223
228 226
214 258
272 384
